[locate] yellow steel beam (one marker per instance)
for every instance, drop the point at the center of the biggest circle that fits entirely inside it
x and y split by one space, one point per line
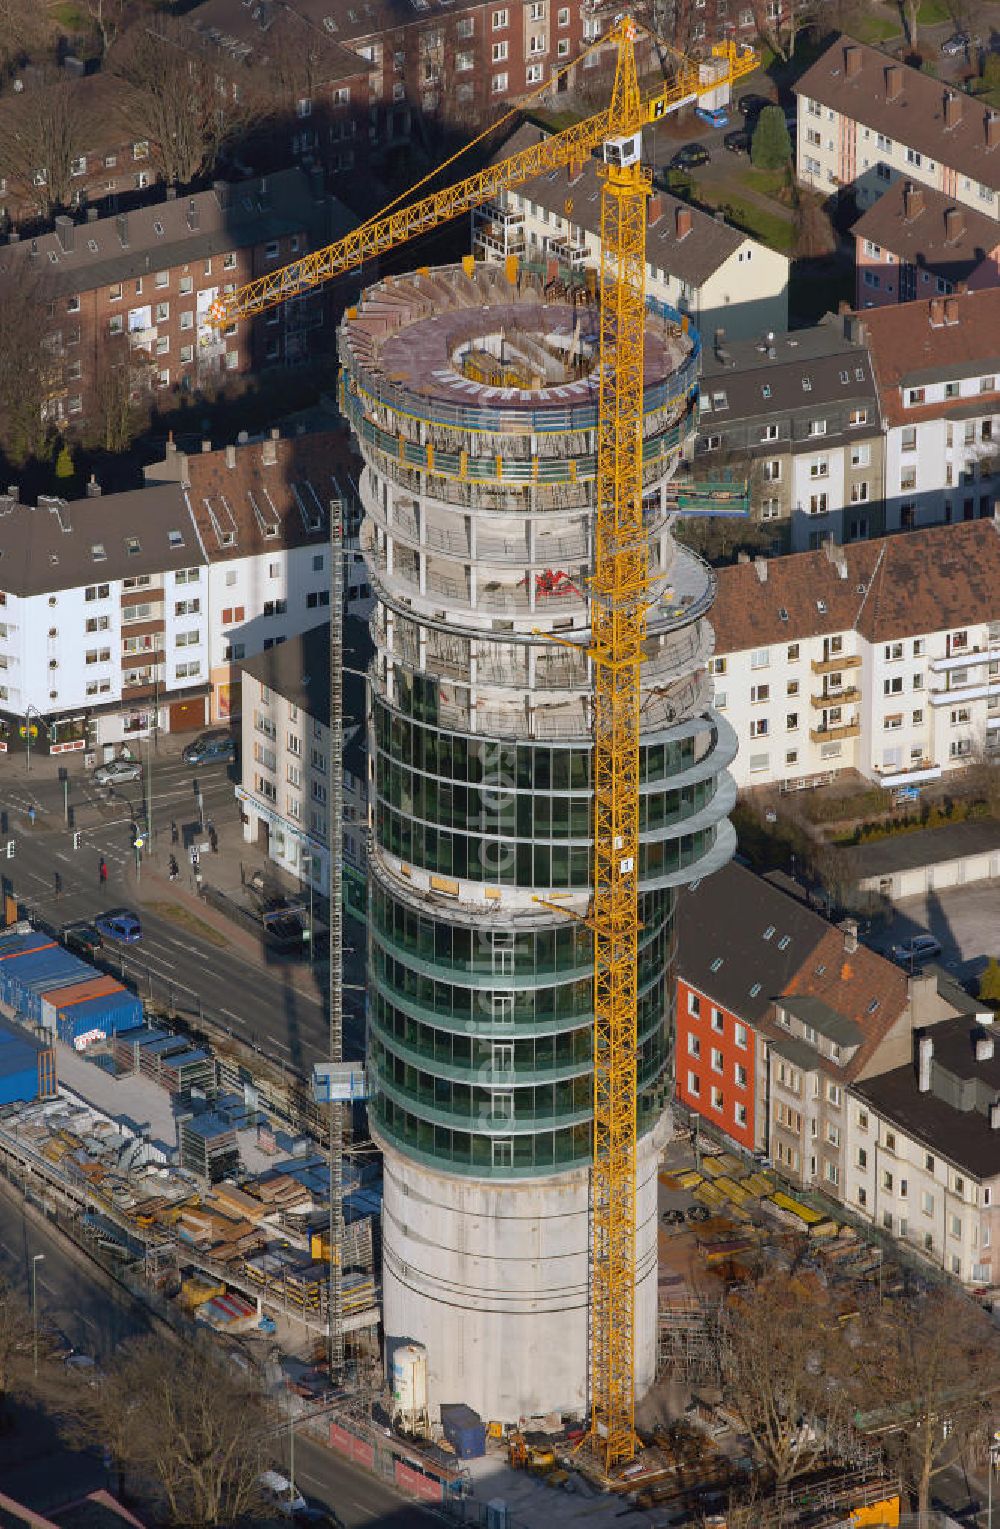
389 231
619 594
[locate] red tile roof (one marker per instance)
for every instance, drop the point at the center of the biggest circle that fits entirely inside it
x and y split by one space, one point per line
861 986
898 586
947 337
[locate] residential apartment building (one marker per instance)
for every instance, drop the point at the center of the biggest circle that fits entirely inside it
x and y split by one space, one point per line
125 614
937 366
262 511
866 120
134 291
103 620
918 243
923 1144
285 791
881 657
797 1042
798 415
696 264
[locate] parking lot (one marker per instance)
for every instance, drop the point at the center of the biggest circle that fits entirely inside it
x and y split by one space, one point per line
965 920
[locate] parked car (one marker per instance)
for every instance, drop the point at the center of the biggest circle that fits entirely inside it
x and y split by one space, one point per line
278 1491
712 116
116 771
120 925
921 947
82 939
208 747
690 156
958 43
737 142
752 105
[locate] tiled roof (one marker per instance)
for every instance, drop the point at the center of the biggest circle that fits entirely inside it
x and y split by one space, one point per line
169 233
252 35
911 224
693 258
898 586
861 987
267 494
945 338
915 116
94 540
740 941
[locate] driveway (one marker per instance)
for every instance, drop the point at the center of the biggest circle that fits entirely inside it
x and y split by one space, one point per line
966 920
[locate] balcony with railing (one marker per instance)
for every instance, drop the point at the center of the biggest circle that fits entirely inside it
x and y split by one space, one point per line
845 697
835 733
839 661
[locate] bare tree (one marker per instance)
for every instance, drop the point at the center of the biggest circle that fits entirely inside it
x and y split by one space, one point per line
15 1338
782 1356
176 98
930 1370
22 32
179 1417
30 368
42 132
121 389
107 16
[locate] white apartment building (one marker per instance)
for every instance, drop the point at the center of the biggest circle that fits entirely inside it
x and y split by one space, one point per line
937 366
262 509
865 120
103 620
922 1157
697 264
284 794
881 656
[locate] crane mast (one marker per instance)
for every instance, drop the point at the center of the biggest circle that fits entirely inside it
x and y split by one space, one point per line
619 593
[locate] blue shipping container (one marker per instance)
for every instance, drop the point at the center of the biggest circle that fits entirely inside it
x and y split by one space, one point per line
110 1013
18 1065
464 1430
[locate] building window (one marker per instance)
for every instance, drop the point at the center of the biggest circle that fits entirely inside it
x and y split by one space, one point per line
694 1005
694 1085
499 84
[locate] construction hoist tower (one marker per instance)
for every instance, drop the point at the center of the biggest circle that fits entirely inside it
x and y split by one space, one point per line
546 769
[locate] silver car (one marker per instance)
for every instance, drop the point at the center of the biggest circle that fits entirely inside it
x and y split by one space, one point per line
116 771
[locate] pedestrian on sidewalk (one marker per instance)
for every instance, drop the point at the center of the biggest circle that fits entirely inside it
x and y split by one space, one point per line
174 835
31 814
213 838
57 883
102 871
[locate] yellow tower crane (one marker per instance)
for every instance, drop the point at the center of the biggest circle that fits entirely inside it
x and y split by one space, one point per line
618 605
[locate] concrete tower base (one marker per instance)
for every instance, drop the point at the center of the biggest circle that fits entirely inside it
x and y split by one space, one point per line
493 1279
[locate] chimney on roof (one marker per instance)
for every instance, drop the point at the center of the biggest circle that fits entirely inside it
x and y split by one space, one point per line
33 252
961 287
654 210
206 446
93 488
893 81
171 193
954 224
230 456
13 493
122 225
92 214
760 564
720 216
853 59
951 310
221 189
682 221
192 214
984 1047
854 329
13 237
952 109
64 233
992 129
925 1056
850 929
743 557
995 1117
936 307
913 201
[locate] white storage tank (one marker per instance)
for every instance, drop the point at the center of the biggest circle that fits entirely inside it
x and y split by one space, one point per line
409 1383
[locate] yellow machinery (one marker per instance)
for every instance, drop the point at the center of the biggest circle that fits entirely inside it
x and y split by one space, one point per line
522 1455
618 596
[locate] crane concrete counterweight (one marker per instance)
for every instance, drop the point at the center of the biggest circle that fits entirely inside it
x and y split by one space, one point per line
618 595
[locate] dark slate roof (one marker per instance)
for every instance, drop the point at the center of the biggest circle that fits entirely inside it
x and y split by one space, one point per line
813 1011
726 918
779 374
299 670
964 1136
928 846
693 258
242 215
52 546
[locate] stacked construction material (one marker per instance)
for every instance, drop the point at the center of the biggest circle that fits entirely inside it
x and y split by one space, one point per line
208 1147
228 1312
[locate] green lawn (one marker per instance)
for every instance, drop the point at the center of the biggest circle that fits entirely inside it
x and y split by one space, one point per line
767 182
931 12
71 16
874 29
770 228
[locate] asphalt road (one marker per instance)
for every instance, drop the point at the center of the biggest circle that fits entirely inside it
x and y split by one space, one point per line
250 994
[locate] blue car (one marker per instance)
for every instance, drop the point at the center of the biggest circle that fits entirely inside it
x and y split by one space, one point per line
119 925
712 116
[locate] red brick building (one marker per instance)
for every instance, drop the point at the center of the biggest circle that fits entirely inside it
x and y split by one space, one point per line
133 292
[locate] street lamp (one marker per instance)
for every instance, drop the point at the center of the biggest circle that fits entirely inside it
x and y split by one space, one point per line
27 732
992 1463
36 1260
307 860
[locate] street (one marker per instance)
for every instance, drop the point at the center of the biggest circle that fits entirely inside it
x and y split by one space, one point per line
271 1001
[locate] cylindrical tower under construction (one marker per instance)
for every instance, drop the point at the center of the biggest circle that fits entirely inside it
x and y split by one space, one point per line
473 397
